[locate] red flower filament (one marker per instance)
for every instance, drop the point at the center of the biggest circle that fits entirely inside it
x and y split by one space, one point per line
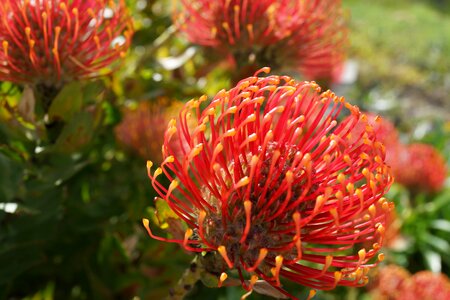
307 35
54 41
276 186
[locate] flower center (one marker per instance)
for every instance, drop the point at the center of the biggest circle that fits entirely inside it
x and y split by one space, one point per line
271 226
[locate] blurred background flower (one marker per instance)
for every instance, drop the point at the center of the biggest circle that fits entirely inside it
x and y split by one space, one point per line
53 42
307 37
143 125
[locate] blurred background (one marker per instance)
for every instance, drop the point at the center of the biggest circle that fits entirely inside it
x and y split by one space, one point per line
70 216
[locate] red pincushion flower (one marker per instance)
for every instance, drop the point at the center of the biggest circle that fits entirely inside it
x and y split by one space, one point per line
142 127
306 35
272 185
54 41
388 282
420 167
425 285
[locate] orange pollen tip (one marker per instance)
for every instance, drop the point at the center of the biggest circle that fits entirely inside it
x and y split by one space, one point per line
312 293
372 210
262 255
337 276
362 254
222 278
223 252
189 232
242 182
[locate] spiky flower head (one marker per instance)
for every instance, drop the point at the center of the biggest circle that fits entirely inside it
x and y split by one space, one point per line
425 285
396 283
420 167
273 185
143 125
388 282
306 35
54 41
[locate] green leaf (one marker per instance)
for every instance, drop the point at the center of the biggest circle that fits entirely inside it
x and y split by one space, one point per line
76 133
11 174
67 103
441 224
433 260
438 243
161 215
27 104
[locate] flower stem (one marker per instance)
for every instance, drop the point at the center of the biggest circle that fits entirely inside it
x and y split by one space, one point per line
186 282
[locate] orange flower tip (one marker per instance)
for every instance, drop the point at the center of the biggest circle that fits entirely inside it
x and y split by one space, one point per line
278 261
334 214
362 254
350 188
312 293
158 172
253 280
211 111
265 70
347 159
169 159
146 223
328 262
376 246
254 161
216 167
296 217
222 278
202 216
242 182
213 31
149 164
248 206
372 210
189 232
223 252
341 178
230 133
378 159
337 276
172 122
320 200
380 228
381 257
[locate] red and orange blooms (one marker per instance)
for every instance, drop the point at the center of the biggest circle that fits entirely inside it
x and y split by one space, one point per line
308 35
142 127
420 167
274 184
53 41
396 283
